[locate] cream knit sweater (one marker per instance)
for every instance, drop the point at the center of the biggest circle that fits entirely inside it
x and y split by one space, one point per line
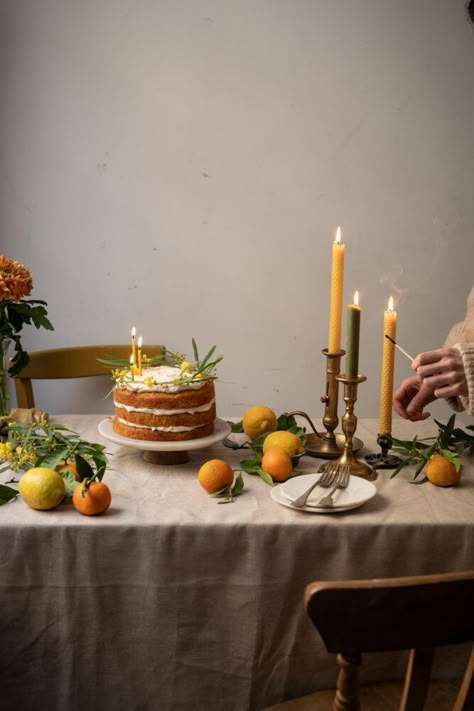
461 337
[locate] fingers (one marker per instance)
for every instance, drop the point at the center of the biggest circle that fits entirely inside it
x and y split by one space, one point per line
405 394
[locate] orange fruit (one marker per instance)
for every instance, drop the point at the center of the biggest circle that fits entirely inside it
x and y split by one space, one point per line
69 467
96 500
277 463
441 472
215 475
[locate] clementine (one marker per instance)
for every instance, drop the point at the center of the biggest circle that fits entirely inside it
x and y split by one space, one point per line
441 472
277 462
215 475
95 501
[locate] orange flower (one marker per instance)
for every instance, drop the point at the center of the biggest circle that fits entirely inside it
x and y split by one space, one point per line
15 280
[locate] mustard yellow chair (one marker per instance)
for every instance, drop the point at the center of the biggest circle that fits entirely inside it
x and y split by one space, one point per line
73 362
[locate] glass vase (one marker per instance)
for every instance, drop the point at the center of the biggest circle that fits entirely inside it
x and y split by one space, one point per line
4 360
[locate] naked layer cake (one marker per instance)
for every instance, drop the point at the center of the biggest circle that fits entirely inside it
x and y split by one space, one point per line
164 403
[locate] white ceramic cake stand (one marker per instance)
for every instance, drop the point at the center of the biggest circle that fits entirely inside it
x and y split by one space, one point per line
166 452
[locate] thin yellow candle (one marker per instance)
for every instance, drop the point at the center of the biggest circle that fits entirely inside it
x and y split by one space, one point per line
352 338
132 367
140 356
388 358
133 358
335 309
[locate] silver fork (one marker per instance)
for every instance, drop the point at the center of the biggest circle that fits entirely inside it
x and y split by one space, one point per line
340 482
325 480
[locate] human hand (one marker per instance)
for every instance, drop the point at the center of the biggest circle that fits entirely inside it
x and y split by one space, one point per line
442 372
411 398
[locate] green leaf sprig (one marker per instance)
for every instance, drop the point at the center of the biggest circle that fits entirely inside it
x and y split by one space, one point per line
228 493
46 444
203 369
450 442
254 465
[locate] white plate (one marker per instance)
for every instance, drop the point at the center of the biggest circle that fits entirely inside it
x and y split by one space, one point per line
221 430
357 493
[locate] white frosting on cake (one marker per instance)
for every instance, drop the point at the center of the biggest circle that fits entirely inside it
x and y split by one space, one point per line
151 411
161 429
162 378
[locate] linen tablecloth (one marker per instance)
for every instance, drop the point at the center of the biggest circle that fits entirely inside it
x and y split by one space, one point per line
171 601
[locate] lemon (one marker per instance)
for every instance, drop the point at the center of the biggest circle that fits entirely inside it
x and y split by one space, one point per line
41 488
441 472
257 420
288 441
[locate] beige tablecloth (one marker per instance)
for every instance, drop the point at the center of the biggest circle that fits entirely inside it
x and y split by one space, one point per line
171 601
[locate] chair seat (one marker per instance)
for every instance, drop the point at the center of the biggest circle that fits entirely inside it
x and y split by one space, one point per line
373 697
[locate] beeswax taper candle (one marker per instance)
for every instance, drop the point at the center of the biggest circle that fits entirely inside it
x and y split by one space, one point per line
133 359
388 358
337 275
140 341
352 338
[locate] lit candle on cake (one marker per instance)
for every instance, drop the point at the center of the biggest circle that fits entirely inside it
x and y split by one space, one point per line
335 309
133 358
352 338
132 367
140 355
388 358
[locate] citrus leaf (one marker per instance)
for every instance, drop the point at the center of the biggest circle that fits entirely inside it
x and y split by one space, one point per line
7 494
238 486
70 482
266 477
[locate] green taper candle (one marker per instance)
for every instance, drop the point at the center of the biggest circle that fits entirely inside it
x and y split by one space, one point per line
352 339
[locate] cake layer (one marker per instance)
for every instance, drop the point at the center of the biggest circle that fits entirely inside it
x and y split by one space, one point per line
182 400
179 419
156 435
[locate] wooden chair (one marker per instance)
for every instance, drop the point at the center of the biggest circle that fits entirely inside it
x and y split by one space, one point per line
416 613
73 362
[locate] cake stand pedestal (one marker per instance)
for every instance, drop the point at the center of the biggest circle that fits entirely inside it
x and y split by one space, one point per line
166 453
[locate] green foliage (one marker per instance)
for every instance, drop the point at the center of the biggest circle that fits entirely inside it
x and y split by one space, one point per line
450 442
254 466
228 493
46 444
13 316
201 370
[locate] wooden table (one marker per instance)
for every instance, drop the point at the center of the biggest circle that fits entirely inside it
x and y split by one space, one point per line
172 601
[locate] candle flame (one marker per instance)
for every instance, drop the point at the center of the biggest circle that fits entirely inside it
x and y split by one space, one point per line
390 304
134 330
356 298
338 235
140 341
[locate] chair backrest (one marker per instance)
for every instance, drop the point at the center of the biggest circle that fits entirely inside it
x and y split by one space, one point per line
73 362
417 613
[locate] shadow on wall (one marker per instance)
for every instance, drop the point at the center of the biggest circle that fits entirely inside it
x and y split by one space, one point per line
470 10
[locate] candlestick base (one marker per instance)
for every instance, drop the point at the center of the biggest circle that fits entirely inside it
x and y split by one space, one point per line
383 460
349 426
323 444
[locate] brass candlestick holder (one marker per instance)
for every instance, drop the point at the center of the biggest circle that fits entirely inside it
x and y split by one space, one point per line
329 445
349 426
383 460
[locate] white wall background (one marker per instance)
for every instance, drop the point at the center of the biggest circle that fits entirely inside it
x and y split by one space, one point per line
181 166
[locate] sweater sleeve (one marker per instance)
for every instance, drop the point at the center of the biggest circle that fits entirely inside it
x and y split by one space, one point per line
465 402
